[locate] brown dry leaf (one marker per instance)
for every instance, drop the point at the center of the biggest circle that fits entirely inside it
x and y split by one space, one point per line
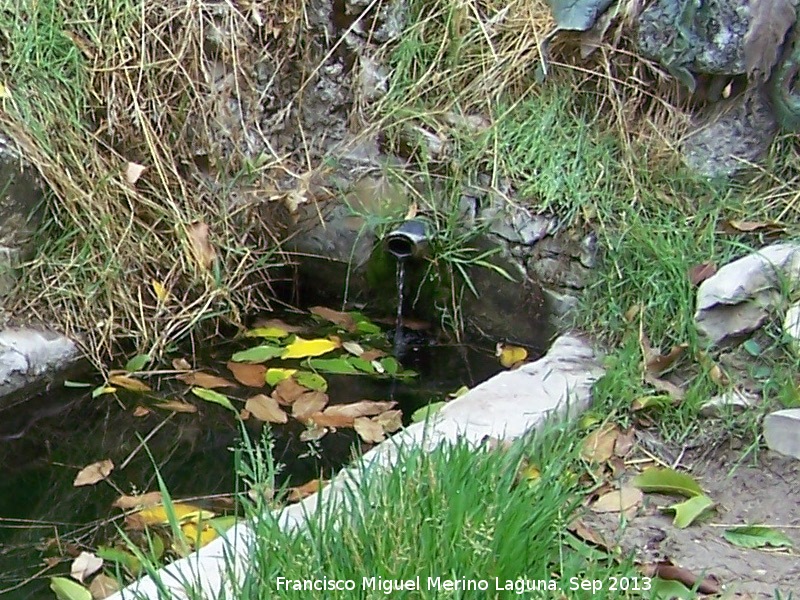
699 273
753 227
202 250
666 570
312 434
303 491
247 374
205 380
369 430
138 501
662 385
622 500
718 376
181 364
278 324
141 411
598 446
128 383
588 534
657 363
320 419
372 354
93 473
364 408
103 586
133 171
244 414
624 443
177 406
265 408
288 390
308 404
342 319
391 420
769 22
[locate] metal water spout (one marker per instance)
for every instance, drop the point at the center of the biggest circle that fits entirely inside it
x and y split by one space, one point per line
410 240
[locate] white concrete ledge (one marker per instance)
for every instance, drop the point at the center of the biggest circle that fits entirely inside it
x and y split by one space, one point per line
505 407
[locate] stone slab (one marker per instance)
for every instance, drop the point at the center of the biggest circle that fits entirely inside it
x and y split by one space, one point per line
782 432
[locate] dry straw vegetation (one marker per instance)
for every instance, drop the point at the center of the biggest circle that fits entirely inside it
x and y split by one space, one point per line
201 93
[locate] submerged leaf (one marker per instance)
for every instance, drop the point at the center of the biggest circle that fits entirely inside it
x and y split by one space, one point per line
215 397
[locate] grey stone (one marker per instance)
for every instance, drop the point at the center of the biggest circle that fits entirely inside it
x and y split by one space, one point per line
505 407
739 297
29 357
782 432
791 324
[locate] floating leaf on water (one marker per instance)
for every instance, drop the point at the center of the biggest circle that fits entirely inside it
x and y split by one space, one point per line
274 376
251 375
363 408
312 434
756 536
353 348
265 408
510 356
370 431
67 589
303 491
102 586
687 511
391 365
259 354
288 390
266 332
177 406
362 365
372 354
84 565
76 384
667 481
141 411
337 366
311 380
160 292
215 397
198 534
137 363
138 501
424 413
158 515
390 421
278 324
93 473
379 368
302 348
342 319
308 404
367 327
205 380
128 383
321 419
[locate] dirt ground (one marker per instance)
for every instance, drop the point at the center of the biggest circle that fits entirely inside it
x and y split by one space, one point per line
764 491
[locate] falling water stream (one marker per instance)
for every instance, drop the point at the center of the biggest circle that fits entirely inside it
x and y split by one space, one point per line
400 276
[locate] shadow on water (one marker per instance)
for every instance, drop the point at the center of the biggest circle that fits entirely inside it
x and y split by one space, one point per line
44 441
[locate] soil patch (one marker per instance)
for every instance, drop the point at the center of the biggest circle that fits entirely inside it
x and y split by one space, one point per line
761 491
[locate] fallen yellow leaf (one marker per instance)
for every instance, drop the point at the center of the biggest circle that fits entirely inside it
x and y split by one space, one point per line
301 348
511 356
197 536
162 295
157 515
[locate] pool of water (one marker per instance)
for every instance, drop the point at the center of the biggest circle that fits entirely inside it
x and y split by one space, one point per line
43 517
